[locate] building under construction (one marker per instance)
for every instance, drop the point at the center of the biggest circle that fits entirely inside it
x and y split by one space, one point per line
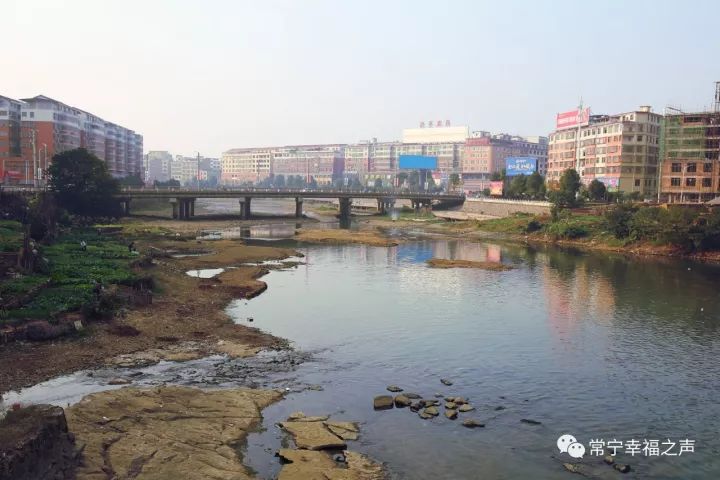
690 170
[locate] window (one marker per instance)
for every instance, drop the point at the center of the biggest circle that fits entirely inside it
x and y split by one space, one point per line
690 182
675 181
707 167
707 182
637 182
691 168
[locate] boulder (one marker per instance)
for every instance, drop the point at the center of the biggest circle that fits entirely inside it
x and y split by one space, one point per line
460 400
394 388
621 467
413 396
35 444
451 414
446 381
450 405
429 402
466 407
383 402
415 406
402 401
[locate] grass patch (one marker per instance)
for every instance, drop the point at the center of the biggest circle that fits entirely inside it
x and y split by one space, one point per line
516 224
11 236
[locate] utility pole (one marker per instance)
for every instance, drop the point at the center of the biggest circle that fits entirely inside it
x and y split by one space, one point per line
45 162
34 157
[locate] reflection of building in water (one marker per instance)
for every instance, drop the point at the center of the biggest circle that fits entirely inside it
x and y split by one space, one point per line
459 250
577 293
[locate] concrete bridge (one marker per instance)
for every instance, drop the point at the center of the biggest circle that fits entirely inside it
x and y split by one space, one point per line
183 200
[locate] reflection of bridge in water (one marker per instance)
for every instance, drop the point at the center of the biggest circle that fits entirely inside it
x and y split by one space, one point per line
183 201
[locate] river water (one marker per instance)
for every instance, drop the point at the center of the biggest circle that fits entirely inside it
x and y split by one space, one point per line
593 345
597 346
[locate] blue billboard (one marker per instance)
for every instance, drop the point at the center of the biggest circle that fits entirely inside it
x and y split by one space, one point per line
520 166
417 162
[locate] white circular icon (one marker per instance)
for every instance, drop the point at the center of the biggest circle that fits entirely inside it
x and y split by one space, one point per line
564 442
576 450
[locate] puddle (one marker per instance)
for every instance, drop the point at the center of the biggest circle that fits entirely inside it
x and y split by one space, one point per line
205 273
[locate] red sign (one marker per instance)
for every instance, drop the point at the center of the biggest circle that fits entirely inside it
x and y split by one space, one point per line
573 118
496 188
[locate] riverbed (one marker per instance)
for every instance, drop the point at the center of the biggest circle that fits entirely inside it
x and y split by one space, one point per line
594 345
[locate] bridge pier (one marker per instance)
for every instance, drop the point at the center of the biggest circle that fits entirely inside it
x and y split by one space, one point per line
175 210
245 208
125 205
345 204
298 207
192 207
381 206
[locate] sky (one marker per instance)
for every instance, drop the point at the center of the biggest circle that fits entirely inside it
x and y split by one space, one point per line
207 76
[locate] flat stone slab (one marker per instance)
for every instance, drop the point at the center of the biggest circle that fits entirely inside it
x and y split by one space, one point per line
312 435
344 430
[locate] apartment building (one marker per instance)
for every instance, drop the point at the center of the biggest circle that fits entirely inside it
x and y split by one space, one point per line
12 168
690 171
243 165
324 163
621 150
158 166
48 127
485 154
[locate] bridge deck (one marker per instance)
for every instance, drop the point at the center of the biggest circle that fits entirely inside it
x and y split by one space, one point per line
273 193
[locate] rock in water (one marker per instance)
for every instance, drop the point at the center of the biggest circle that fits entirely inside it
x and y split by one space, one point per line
431 411
609 459
529 421
499 407
571 467
460 400
429 402
119 381
383 402
466 407
446 381
415 406
344 430
451 414
413 396
394 388
622 468
402 401
450 405
470 423
312 435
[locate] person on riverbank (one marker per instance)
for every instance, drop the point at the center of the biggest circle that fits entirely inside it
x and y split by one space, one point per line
83 245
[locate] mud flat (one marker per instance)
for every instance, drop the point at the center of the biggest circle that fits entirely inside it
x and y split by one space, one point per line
444 263
341 236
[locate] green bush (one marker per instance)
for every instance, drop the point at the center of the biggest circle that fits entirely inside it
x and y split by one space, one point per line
566 229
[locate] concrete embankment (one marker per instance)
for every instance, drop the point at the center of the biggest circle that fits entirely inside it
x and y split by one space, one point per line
504 208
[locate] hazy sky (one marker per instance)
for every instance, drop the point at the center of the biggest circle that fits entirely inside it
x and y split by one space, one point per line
212 75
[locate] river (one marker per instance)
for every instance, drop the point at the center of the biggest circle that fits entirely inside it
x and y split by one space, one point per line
594 345
597 346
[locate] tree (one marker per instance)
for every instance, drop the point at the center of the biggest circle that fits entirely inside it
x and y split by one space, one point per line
83 185
131 181
518 186
454 180
597 190
566 195
167 183
279 181
535 186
